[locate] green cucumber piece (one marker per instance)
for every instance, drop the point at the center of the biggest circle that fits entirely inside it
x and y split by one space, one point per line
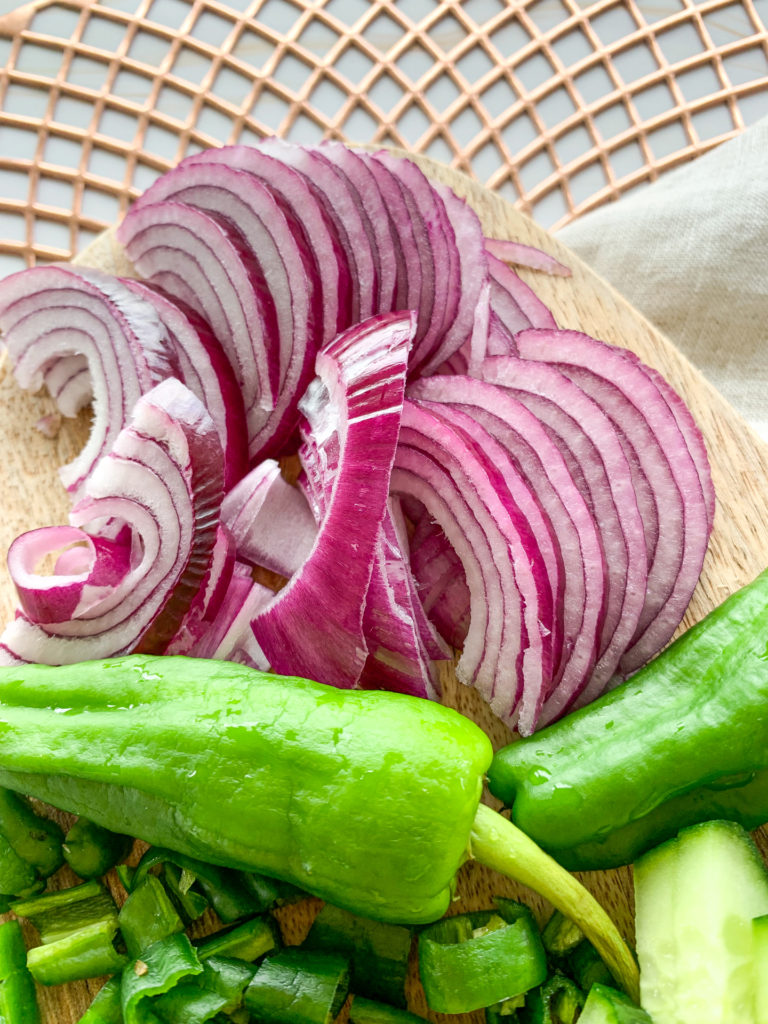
605 1005
760 967
695 898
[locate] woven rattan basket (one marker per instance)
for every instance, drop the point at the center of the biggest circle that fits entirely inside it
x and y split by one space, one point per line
560 105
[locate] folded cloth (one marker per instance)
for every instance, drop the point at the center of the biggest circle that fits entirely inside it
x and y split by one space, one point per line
690 251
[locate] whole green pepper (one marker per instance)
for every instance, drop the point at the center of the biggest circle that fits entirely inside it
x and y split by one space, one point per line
368 799
684 740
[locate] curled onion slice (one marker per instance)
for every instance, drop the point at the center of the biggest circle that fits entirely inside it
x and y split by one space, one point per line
70 316
357 397
195 257
162 480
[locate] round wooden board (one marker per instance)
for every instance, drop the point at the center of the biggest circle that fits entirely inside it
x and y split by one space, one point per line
33 496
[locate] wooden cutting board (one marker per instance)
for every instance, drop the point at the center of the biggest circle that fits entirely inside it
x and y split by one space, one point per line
33 496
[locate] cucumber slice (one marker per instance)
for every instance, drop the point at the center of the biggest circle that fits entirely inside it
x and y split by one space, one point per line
695 897
605 1005
760 967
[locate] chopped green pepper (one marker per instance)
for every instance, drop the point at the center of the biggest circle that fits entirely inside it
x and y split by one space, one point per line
378 953
298 987
57 914
92 851
161 966
684 740
18 1002
36 839
557 1001
475 960
249 941
368 1011
147 916
199 998
88 952
105 1008
369 799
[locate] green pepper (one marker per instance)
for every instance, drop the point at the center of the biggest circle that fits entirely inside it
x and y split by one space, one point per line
199 998
105 1008
684 740
86 953
147 916
298 986
36 839
476 960
249 941
378 953
558 1001
369 799
161 966
368 1011
18 1002
92 851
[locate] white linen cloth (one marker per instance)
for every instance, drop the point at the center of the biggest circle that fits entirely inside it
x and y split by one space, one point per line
690 251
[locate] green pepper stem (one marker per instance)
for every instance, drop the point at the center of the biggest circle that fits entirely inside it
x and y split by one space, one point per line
500 845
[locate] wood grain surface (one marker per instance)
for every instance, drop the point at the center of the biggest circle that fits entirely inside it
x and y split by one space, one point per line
32 496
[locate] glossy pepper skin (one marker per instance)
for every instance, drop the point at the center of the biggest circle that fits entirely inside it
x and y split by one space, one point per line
288 777
683 741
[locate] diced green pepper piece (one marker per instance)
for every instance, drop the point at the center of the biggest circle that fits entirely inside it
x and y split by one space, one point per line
88 952
605 1005
91 851
17 877
147 916
219 989
105 1008
378 953
18 1002
249 941
190 903
368 1011
125 873
586 967
35 839
298 987
270 892
162 965
223 887
475 960
560 935
57 914
557 1001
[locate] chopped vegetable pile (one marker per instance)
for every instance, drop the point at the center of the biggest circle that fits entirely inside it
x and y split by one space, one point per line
471 475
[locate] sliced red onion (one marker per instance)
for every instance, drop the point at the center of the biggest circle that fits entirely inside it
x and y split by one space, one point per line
514 302
196 258
579 596
68 381
526 256
207 604
309 214
441 275
342 206
277 244
50 313
473 273
397 658
377 223
205 370
358 395
163 480
589 443
82 574
230 637
270 521
628 395
440 581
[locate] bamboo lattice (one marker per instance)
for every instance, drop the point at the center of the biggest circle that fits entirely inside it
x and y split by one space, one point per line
560 105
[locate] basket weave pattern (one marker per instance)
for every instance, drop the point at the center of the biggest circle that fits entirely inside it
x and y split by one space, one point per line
558 105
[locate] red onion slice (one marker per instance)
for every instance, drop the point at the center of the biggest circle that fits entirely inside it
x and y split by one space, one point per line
196 258
162 479
81 577
526 256
589 443
580 596
358 396
343 207
277 245
514 301
205 370
52 313
269 520
628 395
297 195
